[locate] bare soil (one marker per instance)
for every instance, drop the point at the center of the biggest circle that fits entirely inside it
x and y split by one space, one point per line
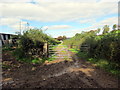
60 73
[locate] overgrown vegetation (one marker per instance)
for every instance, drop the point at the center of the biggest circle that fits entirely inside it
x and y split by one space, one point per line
7 48
30 46
103 48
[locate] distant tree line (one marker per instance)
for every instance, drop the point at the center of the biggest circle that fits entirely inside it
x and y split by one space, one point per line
61 38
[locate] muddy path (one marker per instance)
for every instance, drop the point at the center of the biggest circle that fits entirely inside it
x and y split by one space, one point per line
60 73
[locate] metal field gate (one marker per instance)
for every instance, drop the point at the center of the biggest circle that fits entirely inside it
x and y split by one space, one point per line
59 51
62 51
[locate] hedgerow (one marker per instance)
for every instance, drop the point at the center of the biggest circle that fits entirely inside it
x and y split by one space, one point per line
104 46
30 45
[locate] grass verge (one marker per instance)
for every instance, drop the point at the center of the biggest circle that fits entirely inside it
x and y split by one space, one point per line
111 67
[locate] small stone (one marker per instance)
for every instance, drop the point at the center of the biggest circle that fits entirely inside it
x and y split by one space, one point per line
7 79
18 66
17 79
33 68
46 61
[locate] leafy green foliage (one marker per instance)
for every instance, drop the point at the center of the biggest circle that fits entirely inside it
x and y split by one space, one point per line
102 47
73 50
114 27
106 29
7 48
30 45
106 46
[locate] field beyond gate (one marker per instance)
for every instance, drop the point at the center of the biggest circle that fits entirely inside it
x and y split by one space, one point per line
59 51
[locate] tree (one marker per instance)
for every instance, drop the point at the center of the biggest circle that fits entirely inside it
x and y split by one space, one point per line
106 29
98 30
114 27
77 34
60 38
64 37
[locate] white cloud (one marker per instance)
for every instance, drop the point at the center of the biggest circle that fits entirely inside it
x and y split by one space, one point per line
109 1
50 12
55 27
39 1
9 21
108 21
23 1
65 1
14 23
12 13
88 1
88 20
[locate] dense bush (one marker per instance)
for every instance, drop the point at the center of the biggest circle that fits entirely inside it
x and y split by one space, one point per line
30 44
105 46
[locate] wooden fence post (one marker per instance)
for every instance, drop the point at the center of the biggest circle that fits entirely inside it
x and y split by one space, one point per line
45 49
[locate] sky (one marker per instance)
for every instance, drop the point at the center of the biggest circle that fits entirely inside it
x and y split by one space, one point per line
57 17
